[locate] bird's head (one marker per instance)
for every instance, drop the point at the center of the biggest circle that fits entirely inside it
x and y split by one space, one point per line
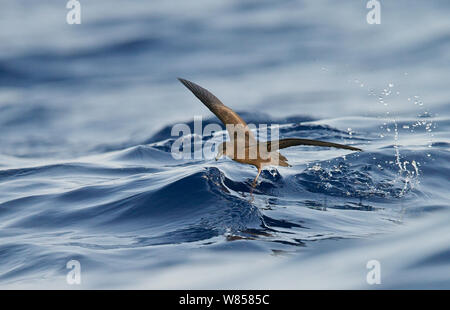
222 149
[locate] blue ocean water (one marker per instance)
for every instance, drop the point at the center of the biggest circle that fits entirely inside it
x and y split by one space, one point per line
86 171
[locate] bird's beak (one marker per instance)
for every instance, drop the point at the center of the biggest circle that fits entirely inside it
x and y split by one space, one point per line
219 154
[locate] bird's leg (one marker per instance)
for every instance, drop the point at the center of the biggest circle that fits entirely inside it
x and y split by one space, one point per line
254 181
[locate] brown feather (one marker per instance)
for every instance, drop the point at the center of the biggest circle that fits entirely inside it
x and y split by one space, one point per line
250 145
284 143
226 115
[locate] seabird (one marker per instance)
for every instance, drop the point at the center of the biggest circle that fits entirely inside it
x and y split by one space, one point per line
243 146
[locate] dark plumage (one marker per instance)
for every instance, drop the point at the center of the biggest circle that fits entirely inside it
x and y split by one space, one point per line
243 146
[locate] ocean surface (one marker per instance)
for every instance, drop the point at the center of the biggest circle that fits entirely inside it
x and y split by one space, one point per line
87 173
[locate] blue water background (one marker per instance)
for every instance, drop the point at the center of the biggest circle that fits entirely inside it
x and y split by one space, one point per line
86 171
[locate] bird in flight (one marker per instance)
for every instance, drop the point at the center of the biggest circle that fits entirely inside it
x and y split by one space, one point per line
243 146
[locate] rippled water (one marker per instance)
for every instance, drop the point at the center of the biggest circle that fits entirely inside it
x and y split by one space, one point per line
86 171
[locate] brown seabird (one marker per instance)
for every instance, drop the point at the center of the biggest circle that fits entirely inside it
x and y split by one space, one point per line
243 146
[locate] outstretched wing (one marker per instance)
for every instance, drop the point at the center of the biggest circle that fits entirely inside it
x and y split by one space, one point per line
224 113
284 143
